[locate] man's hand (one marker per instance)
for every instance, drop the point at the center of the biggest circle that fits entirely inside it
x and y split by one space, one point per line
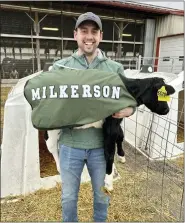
126 112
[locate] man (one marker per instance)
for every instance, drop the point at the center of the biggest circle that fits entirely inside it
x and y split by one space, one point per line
80 146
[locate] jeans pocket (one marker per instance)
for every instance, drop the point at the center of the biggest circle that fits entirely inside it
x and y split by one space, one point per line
65 156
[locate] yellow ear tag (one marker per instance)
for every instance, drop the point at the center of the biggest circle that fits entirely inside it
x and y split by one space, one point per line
162 94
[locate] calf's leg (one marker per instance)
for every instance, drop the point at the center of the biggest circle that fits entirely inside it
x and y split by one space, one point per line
51 138
109 150
119 141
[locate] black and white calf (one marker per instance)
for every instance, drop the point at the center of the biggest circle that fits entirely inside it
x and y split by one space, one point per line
145 91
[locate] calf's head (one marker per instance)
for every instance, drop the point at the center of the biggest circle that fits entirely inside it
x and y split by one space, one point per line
151 97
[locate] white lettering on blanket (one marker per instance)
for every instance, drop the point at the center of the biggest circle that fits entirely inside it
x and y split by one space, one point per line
76 91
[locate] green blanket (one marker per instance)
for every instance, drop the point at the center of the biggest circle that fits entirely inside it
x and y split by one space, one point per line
68 97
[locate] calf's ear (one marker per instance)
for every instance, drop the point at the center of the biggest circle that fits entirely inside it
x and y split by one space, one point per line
169 89
159 84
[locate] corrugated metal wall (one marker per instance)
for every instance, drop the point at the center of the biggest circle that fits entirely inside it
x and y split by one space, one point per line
149 40
168 25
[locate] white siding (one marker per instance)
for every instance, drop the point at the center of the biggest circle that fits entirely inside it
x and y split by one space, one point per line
171 52
168 25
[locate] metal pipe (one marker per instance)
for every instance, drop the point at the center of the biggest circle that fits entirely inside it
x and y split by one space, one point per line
113 40
30 17
119 50
65 38
37 40
172 65
32 51
116 26
62 33
42 18
139 62
134 41
125 26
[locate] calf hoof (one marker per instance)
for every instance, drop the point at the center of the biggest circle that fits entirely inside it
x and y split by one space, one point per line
108 190
121 159
116 175
108 183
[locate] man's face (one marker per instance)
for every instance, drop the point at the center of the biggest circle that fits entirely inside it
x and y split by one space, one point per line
88 37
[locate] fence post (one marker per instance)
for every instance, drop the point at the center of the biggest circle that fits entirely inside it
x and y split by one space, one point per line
172 65
136 63
183 65
139 63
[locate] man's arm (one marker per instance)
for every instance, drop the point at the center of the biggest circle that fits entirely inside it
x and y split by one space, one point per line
54 67
121 70
126 112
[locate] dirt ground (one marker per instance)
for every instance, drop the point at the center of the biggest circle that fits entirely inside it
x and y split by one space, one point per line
164 180
147 191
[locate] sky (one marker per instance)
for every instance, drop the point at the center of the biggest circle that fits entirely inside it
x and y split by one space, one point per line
169 4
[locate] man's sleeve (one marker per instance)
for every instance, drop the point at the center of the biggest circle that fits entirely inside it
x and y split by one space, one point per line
121 70
55 66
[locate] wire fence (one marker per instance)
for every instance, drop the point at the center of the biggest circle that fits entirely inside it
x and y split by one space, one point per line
154 147
161 64
11 68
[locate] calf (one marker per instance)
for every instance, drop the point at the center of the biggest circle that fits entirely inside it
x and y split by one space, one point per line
145 91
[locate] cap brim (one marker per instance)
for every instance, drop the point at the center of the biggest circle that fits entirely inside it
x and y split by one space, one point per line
85 20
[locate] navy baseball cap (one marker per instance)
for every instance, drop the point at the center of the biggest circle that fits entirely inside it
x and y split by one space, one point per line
89 16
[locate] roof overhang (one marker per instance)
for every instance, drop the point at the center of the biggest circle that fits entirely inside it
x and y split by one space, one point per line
140 7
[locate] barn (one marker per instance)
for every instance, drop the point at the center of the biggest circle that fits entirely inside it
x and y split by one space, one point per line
35 33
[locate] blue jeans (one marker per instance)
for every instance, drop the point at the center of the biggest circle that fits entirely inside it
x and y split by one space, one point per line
72 161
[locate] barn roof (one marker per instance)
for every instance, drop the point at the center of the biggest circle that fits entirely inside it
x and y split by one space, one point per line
139 7
116 4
